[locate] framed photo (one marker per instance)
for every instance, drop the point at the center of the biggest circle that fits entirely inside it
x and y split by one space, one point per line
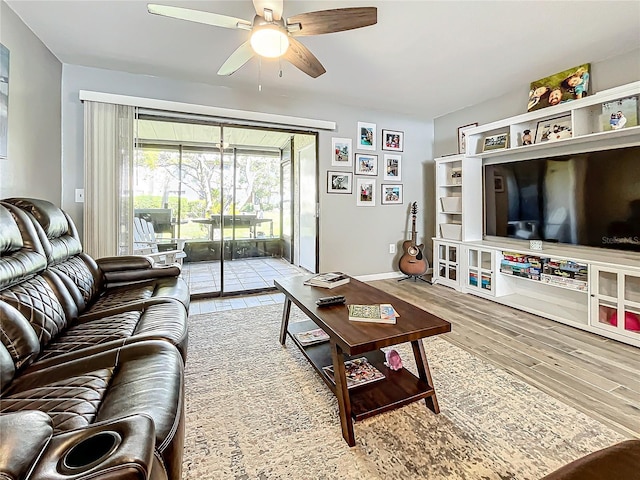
553 129
392 140
391 194
560 87
366 191
462 139
339 182
496 142
342 154
498 184
366 164
392 167
366 136
619 114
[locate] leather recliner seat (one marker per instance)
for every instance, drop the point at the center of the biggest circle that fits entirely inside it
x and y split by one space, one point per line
81 367
88 313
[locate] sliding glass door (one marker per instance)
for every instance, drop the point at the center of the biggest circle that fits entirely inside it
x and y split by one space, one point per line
222 193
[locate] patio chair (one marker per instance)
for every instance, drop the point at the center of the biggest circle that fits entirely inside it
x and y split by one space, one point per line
146 243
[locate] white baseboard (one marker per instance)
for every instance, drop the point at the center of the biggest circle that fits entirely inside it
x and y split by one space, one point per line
383 276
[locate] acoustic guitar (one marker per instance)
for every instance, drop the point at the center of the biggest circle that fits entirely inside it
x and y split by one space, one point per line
413 263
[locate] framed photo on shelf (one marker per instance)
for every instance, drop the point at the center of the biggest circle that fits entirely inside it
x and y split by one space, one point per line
564 86
392 140
462 139
366 191
366 136
391 194
496 142
619 114
366 164
553 129
339 182
342 154
392 167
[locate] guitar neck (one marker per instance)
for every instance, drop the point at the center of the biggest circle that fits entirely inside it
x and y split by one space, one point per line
414 234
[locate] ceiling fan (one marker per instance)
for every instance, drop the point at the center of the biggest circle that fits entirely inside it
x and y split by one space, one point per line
272 36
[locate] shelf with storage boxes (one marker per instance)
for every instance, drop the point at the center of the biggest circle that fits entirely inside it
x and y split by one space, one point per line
563 127
457 178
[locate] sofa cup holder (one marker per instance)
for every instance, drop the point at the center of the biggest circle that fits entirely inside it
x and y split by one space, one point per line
90 452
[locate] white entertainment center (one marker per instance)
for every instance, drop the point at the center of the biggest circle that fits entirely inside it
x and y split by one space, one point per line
594 289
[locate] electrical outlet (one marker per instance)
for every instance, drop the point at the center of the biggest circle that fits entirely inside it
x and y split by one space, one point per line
79 195
392 248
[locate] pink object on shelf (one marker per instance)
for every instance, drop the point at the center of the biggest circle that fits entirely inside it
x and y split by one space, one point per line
394 362
631 321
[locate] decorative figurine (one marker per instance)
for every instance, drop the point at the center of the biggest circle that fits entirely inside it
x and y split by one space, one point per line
394 362
526 137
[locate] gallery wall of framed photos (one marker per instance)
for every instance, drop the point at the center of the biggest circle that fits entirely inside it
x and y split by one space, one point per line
360 157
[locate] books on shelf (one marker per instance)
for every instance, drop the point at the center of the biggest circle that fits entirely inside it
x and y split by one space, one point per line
317 335
328 280
377 313
357 371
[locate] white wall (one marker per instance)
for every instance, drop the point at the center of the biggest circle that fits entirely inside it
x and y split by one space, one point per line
32 167
352 239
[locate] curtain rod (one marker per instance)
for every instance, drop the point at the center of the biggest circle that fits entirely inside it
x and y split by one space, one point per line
205 110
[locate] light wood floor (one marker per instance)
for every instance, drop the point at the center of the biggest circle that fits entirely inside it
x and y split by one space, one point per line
596 375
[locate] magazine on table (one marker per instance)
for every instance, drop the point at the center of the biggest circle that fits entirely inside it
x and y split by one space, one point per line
358 372
328 280
378 313
310 337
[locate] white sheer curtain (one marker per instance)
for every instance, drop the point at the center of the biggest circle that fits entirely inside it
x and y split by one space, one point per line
109 139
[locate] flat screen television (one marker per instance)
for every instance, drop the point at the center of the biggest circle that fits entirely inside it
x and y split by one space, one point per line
590 199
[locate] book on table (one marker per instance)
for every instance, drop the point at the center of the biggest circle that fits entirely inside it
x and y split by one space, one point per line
377 313
357 371
328 280
317 335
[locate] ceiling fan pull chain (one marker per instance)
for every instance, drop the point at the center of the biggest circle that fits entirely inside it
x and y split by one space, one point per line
259 74
280 67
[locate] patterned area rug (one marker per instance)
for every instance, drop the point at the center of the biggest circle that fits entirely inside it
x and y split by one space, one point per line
256 410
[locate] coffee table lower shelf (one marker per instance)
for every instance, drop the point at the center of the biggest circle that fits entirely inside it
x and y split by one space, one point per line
397 389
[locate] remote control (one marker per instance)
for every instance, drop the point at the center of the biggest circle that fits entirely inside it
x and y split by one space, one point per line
335 300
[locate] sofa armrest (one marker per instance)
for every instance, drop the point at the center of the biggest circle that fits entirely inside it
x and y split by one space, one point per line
620 461
24 435
121 448
125 262
134 268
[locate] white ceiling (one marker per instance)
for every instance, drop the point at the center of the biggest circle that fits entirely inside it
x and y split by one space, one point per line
424 58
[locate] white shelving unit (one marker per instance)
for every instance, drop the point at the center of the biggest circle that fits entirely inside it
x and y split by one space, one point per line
585 122
458 218
612 291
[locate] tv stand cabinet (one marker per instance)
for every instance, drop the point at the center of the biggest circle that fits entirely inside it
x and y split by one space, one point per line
610 292
593 289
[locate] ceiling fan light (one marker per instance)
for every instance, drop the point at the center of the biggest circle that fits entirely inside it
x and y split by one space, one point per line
269 41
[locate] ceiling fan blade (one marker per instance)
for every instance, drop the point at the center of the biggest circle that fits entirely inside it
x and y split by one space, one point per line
199 16
331 21
274 5
302 58
237 59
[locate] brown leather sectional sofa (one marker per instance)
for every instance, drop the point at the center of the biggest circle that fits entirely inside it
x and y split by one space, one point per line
91 356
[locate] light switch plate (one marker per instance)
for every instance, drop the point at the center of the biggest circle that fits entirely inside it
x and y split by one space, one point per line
79 195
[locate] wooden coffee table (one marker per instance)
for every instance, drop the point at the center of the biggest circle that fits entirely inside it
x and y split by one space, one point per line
356 339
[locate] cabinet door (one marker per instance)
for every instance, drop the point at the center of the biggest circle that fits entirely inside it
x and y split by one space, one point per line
480 270
447 263
615 301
